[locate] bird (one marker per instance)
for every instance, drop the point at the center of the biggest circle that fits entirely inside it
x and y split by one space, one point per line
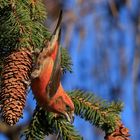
46 79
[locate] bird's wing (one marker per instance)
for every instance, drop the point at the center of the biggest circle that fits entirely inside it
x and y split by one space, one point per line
56 73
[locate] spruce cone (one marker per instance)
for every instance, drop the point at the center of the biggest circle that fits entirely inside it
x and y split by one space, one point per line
15 75
120 133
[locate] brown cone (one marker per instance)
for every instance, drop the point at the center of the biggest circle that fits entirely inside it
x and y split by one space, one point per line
120 133
15 75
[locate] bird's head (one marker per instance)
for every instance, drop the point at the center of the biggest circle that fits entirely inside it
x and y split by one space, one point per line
62 104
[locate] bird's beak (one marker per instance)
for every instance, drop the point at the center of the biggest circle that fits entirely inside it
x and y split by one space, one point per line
69 116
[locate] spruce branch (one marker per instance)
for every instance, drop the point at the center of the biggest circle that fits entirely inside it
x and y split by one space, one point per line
31 31
4 3
45 123
21 27
97 112
37 9
8 36
36 130
66 62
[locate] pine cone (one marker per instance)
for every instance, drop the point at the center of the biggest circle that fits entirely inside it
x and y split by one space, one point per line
15 75
120 133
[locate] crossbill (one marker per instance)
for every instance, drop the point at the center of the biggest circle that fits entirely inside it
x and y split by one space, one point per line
46 84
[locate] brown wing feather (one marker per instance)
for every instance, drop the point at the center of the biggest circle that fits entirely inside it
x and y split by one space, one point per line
56 73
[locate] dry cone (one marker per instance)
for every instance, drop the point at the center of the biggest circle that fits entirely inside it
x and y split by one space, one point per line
15 75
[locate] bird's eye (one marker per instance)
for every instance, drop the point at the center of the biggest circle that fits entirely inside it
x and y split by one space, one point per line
68 108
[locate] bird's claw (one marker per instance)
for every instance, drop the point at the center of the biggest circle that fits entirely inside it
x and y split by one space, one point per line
69 116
